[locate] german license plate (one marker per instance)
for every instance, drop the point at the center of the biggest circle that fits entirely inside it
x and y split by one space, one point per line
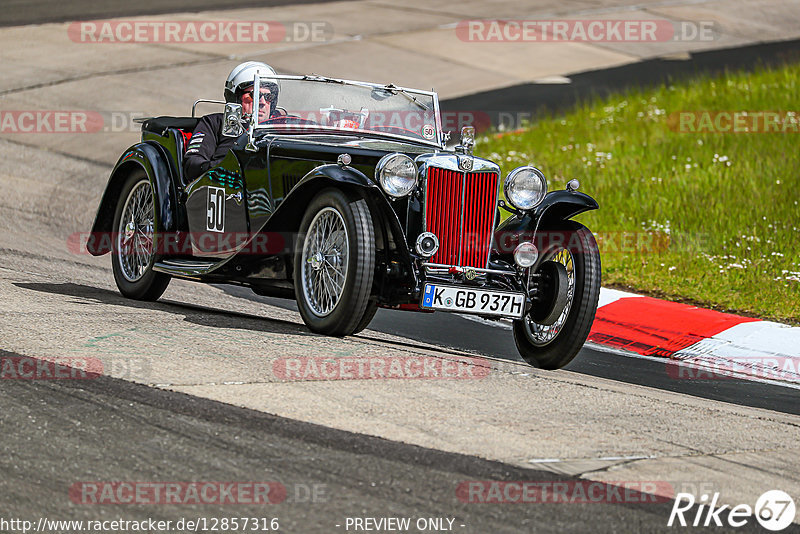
469 300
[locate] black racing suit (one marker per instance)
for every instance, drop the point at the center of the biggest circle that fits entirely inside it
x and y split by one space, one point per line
207 147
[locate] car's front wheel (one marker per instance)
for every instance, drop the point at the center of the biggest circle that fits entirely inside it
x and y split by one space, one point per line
555 330
334 264
134 229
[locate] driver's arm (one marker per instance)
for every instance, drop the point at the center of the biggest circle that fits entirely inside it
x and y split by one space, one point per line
202 146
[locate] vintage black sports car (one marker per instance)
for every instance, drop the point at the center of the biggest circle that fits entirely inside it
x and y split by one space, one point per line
348 199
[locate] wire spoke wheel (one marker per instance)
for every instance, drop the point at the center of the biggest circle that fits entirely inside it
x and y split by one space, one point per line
334 267
540 334
133 255
324 261
135 232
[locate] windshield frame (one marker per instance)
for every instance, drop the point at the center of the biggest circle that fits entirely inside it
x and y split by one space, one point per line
438 142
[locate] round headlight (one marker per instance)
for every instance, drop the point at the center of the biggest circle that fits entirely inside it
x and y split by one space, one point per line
525 187
397 174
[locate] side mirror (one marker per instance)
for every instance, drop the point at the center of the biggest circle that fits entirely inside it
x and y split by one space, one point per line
232 123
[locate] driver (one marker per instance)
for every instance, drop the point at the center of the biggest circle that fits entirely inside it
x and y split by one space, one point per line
207 146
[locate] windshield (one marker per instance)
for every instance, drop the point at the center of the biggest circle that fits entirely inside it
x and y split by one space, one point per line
322 104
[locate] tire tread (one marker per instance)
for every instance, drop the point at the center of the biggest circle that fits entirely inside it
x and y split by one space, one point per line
564 348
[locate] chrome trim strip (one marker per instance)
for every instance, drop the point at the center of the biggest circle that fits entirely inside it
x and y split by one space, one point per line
449 161
438 117
462 269
204 100
422 169
496 212
185 268
463 201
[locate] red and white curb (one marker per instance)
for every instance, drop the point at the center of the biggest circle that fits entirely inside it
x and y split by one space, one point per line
697 343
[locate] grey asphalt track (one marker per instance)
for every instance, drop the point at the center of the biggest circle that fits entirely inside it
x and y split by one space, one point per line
541 99
20 12
63 433
489 338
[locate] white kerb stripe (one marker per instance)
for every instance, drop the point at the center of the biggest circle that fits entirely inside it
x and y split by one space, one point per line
607 296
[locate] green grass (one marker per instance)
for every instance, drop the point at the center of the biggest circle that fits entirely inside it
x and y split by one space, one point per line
723 206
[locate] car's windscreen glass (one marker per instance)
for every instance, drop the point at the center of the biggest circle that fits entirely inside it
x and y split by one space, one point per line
314 104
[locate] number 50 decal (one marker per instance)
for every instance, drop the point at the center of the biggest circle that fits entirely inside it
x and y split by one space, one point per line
215 219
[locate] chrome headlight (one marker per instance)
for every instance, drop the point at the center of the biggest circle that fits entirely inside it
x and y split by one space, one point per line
525 187
397 174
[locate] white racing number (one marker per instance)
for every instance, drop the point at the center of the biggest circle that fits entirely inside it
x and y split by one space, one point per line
215 206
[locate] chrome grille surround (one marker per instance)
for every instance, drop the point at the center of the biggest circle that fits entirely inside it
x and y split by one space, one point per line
459 204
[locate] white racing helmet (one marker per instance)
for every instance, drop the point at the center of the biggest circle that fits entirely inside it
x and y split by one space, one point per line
242 76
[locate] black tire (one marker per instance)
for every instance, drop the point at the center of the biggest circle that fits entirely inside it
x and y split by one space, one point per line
369 314
537 348
350 311
134 279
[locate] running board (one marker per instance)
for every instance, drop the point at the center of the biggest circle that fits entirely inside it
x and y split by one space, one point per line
185 267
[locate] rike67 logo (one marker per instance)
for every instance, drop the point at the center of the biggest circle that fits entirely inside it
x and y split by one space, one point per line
774 510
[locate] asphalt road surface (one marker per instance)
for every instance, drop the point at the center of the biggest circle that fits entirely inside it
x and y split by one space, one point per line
19 12
189 393
495 339
67 433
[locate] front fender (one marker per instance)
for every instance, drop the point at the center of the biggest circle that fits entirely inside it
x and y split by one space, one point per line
287 217
556 208
290 213
389 234
152 158
561 206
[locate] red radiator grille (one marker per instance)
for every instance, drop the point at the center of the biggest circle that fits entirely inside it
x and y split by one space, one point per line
443 211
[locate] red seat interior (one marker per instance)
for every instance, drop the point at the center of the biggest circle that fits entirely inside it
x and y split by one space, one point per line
186 137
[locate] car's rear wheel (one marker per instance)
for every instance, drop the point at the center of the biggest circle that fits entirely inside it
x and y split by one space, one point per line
335 263
549 338
133 254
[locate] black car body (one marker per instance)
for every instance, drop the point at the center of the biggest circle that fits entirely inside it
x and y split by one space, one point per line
392 241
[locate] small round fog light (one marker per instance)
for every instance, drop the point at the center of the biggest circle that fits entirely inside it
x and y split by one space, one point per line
526 255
